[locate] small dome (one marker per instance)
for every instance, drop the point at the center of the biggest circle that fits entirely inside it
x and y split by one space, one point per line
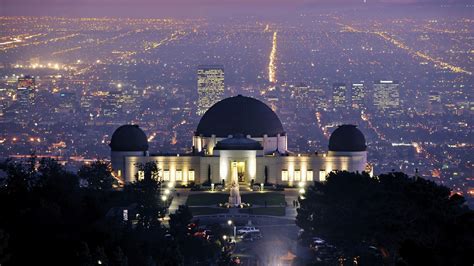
347 138
129 138
238 142
241 114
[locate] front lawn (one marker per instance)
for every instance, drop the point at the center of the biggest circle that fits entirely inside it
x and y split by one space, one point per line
207 210
271 198
206 199
272 211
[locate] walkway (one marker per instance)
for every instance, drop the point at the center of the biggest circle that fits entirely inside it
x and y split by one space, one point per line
178 200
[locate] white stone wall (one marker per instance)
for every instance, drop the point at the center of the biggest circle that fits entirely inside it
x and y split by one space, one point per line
255 163
118 161
269 144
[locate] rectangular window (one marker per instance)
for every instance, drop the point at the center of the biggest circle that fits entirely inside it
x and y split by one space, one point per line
141 175
284 175
297 175
179 175
191 175
309 175
322 175
166 175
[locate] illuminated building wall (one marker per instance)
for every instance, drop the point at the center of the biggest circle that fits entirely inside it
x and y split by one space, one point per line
269 144
289 170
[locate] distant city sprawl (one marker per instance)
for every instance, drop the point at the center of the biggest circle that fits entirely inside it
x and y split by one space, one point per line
406 81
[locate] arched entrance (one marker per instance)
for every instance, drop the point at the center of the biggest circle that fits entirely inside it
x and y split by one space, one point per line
238 171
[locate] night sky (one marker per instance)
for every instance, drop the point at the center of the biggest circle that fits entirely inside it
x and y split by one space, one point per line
189 8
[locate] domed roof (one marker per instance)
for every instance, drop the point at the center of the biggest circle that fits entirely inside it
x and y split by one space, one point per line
129 138
239 114
347 138
238 142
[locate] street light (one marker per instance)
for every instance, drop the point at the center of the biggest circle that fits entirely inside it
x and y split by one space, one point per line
230 223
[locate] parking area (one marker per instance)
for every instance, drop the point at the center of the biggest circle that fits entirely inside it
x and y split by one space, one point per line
277 243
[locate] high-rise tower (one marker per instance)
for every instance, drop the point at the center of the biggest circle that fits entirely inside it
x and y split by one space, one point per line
25 93
339 95
387 97
210 86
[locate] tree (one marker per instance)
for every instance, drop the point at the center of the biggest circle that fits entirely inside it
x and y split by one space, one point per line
225 258
266 175
146 194
4 255
179 221
98 175
208 182
353 211
46 215
150 170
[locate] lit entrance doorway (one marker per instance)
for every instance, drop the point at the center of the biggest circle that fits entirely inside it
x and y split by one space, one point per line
238 171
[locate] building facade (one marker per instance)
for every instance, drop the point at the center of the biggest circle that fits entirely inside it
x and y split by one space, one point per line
25 93
339 95
239 138
386 97
210 86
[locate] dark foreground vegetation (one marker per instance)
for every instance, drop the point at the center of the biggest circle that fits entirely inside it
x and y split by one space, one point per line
391 219
47 218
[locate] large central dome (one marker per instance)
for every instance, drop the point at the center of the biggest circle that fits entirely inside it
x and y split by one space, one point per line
239 114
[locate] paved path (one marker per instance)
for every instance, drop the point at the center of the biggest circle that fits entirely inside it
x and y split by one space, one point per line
178 200
291 194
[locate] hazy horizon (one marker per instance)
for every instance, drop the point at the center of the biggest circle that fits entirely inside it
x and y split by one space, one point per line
208 8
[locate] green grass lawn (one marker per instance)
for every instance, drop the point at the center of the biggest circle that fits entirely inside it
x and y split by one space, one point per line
273 211
272 198
204 199
207 210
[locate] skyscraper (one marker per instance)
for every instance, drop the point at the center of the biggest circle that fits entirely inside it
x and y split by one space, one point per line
358 95
339 95
387 97
25 93
210 86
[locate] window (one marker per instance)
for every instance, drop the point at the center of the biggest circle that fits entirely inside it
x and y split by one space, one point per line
309 175
191 175
166 175
322 175
284 175
297 175
141 175
179 175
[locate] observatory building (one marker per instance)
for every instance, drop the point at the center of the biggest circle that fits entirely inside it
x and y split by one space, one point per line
239 138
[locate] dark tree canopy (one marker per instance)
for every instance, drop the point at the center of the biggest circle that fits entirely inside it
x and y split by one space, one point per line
48 219
98 175
403 217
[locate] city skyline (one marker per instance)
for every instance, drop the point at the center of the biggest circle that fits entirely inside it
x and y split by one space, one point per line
218 132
